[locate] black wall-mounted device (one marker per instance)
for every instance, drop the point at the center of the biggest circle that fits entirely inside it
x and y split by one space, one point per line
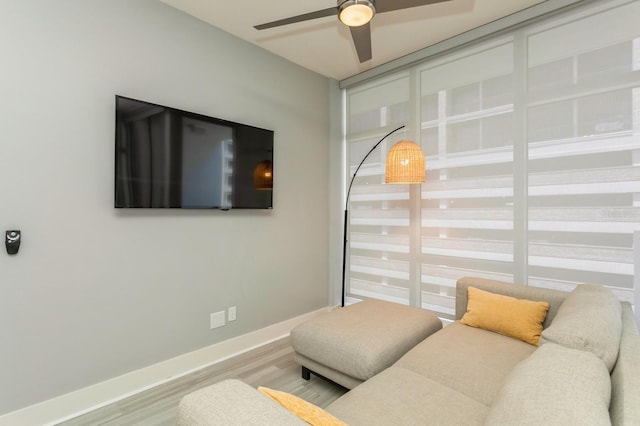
12 241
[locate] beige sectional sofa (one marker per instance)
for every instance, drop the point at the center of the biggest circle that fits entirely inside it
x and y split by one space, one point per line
586 371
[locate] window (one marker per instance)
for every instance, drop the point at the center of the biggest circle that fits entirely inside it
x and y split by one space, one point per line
583 147
532 145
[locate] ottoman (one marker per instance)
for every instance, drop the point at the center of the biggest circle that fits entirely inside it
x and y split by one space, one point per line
352 344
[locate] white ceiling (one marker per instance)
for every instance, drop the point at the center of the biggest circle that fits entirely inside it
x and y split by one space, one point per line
325 46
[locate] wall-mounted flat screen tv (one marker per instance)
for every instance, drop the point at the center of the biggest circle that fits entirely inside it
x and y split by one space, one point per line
169 158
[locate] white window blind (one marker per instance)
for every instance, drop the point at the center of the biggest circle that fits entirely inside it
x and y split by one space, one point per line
532 144
583 143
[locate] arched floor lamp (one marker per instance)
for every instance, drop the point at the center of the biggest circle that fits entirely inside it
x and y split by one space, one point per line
405 165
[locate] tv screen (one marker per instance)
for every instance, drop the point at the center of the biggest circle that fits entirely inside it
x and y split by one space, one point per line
169 158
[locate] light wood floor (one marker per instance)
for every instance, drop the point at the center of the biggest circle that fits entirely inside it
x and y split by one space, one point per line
271 365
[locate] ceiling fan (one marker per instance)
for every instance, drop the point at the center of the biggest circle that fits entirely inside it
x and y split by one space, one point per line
356 14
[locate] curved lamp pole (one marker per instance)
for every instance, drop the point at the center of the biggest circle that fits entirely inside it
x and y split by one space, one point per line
414 163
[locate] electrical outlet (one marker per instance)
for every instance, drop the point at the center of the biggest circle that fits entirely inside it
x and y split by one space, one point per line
232 314
216 320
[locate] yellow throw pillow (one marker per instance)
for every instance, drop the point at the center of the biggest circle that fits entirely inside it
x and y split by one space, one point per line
518 318
308 412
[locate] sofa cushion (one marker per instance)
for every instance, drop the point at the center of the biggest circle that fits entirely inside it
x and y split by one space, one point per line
518 318
470 360
398 396
589 319
363 339
554 386
307 411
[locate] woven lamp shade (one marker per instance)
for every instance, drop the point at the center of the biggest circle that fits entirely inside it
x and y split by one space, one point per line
405 163
263 176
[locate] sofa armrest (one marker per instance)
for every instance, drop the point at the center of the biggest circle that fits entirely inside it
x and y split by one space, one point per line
625 378
538 294
234 403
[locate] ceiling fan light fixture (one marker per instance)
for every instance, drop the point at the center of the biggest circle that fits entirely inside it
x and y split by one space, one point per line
355 13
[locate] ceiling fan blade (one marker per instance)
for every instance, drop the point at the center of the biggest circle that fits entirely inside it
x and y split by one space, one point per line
383 6
332 11
362 40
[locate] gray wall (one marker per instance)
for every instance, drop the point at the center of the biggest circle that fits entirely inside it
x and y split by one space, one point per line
96 292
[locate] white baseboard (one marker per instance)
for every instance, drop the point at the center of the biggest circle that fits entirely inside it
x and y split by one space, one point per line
68 406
